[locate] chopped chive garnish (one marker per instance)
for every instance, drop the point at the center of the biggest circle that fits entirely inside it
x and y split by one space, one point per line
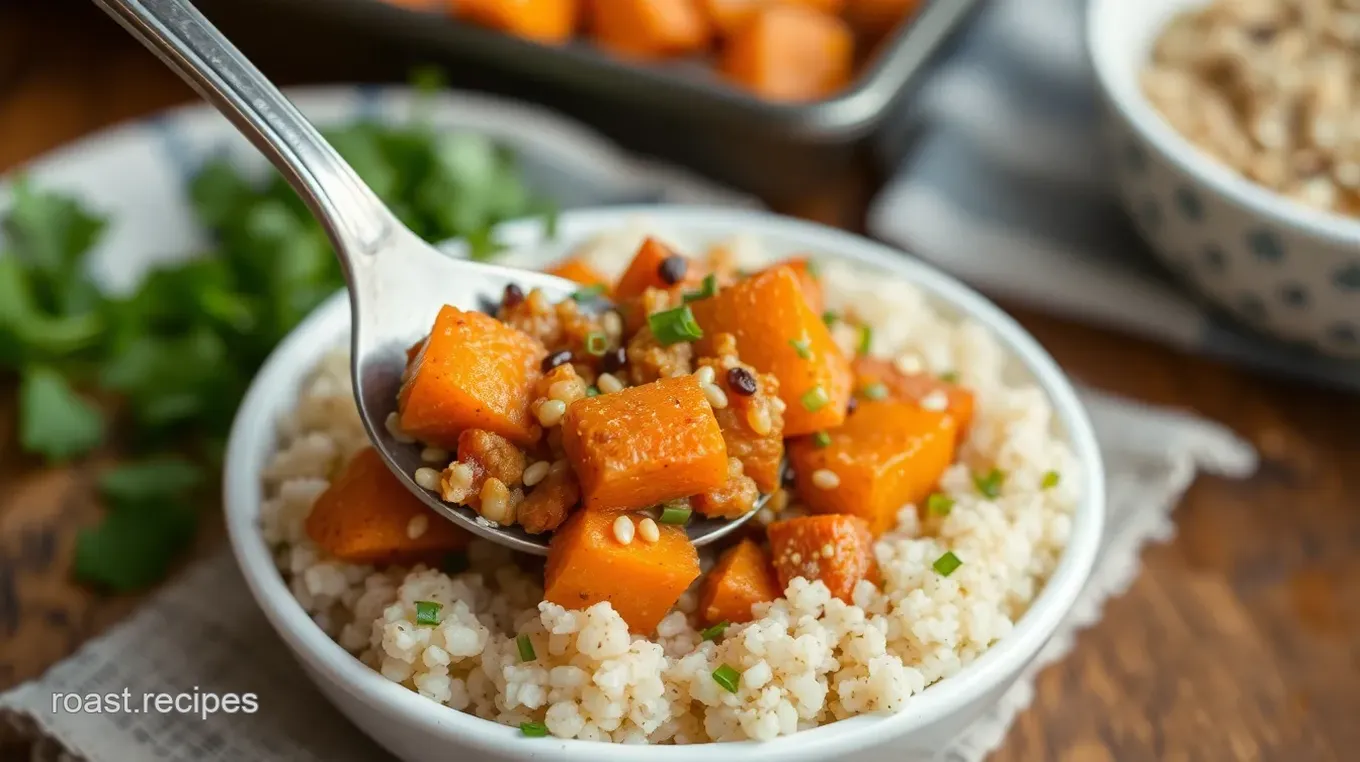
866 339
939 504
675 514
1051 480
989 484
875 391
821 439
526 648
815 399
714 632
533 729
727 677
949 377
596 343
802 347
947 563
709 288
592 391
830 317
427 612
674 326
588 293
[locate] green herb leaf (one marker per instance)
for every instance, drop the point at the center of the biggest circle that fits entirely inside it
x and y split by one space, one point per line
526 648
821 439
677 515
989 484
714 632
830 317
674 326
54 421
946 564
150 480
592 391
802 347
949 377
427 612
596 343
533 729
939 504
874 391
588 293
135 545
708 289
1051 480
866 339
815 399
728 678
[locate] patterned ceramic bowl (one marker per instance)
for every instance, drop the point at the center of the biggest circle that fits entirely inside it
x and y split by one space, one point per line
1280 266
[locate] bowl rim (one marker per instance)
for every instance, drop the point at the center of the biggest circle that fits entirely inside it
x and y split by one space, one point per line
254 432
1128 99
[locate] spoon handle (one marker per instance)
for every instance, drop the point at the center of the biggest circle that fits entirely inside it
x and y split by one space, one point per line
190 45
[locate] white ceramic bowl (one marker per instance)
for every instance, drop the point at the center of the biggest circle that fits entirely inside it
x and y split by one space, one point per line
1287 269
419 730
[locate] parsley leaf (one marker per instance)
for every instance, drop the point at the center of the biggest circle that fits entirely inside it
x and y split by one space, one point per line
149 480
53 420
134 545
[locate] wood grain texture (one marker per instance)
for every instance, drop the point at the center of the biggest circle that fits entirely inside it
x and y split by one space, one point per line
1240 640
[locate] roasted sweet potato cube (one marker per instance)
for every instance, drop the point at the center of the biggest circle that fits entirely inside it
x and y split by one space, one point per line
807 279
644 445
878 17
887 454
549 21
742 578
365 517
641 580
728 16
921 388
836 549
778 333
790 53
579 271
644 271
474 372
649 29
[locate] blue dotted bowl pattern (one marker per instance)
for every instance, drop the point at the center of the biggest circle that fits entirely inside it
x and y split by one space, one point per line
1273 275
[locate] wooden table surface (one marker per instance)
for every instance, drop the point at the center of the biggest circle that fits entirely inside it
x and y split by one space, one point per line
1239 640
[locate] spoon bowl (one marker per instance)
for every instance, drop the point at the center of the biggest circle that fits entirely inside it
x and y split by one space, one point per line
397 282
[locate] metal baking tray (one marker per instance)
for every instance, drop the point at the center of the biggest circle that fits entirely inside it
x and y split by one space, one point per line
679 111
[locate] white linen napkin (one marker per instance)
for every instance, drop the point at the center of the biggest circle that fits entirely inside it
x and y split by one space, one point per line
1006 188
204 632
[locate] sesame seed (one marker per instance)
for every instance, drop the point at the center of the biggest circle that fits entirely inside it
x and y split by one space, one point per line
427 478
550 412
715 395
824 478
608 383
434 455
393 424
417 526
648 530
536 473
705 375
623 530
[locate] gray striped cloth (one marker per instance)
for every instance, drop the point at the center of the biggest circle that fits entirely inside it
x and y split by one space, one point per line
1006 189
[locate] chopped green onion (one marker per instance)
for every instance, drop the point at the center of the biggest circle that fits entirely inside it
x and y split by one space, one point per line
947 563
1051 480
989 484
949 377
674 326
592 391
427 612
709 288
526 648
866 339
802 347
714 632
830 317
939 504
821 439
875 391
533 729
727 677
815 399
596 343
588 293
675 514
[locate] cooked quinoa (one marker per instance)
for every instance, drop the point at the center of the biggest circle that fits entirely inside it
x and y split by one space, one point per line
807 659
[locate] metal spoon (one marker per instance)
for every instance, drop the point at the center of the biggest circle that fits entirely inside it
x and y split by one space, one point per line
397 282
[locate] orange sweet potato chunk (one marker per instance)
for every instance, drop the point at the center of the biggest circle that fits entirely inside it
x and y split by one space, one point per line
887 454
644 271
550 21
807 279
649 29
915 387
778 333
641 580
790 53
878 17
577 270
364 517
838 550
644 445
742 578
474 372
